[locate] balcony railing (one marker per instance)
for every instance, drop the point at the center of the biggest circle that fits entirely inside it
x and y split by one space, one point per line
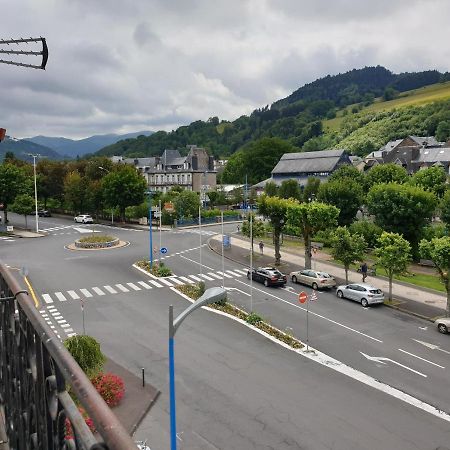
35 369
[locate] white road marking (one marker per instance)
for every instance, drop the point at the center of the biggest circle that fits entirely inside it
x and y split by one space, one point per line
310 312
422 359
432 346
195 278
233 273
110 289
215 275
155 283
98 291
86 230
381 359
244 272
144 284
176 281
73 294
195 262
122 288
86 293
186 280
166 282
47 298
71 334
134 287
65 325
202 275
225 275
61 321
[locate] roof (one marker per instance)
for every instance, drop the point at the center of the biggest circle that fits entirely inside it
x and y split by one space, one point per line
169 155
426 141
308 162
434 154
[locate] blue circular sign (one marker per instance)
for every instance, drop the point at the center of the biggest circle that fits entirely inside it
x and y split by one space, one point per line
163 250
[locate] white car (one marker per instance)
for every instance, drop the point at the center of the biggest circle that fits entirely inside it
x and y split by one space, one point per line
363 293
84 218
313 278
443 324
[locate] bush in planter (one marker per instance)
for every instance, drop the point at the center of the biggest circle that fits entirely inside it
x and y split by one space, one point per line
110 387
86 352
253 318
161 270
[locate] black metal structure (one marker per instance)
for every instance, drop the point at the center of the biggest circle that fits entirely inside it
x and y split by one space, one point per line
18 51
35 369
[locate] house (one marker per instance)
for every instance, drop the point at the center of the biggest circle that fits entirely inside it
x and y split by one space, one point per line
194 172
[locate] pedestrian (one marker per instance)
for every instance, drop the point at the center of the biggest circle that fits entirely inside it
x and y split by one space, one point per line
238 228
364 271
261 247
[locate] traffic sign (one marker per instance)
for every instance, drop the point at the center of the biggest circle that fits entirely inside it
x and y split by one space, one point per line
163 250
302 297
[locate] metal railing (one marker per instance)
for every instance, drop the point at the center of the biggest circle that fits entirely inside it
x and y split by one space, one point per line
35 369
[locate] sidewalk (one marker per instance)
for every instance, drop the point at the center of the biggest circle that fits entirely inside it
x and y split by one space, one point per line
420 302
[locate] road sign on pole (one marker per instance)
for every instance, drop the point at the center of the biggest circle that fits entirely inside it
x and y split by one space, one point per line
163 250
302 297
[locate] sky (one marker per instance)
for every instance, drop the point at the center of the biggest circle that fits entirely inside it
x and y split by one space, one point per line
119 66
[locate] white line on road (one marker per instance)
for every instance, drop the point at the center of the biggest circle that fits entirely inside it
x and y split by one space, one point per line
144 284
98 291
432 346
166 282
195 278
382 359
215 275
47 298
422 359
186 280
155 283
60 296
233 273
222 274
122 288
73 294
196 262
176 281
110 289
134 287
310 312
86 293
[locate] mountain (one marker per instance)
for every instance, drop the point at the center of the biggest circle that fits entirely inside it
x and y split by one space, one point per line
297 118
73 148
22 147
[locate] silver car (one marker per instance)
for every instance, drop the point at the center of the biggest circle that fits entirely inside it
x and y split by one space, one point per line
443 324
313 278
363 293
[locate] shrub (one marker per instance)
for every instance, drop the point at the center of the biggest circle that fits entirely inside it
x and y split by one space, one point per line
86 352
161 270
97 238
201 288
110 387
87 419
253 319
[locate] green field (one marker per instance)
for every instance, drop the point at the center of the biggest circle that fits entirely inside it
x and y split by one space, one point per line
417 97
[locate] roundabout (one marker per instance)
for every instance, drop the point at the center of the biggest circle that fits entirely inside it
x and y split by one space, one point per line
97 242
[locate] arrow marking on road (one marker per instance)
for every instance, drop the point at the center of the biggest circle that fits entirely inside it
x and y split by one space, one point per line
382 360
432 346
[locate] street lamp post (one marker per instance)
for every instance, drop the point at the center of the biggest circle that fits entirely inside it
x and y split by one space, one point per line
149 193
35 191
211 295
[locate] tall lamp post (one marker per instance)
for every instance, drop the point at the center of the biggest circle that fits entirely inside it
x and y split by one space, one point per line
149 193
35 190
211 295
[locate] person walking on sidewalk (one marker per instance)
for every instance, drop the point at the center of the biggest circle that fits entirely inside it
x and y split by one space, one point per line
364 271
261 247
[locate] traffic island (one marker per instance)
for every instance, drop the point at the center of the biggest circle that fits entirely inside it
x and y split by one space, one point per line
97 242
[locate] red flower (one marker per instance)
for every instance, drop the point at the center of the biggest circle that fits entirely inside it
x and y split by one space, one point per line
110 387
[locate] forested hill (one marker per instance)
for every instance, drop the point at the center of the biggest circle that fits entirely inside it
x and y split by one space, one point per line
297 118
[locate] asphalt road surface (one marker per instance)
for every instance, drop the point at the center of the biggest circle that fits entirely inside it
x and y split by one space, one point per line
235 388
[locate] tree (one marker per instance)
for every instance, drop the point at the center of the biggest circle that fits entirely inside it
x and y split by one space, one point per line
438 250
75 191
432 179
290 189
123 187
310 218
271 189
12 183
368 230
254 230
389 93
86 352
445 209
275 209
187 204
393 252
347 248
386 173
443 131
345 172
345 194
401 209
23 204
50 179
311 189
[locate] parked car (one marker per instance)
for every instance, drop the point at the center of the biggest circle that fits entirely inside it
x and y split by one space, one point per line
269 276
84 218
363 293
44 213
443 324
313 278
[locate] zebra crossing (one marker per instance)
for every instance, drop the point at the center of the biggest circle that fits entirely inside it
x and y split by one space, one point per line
197 231
56 321
129 287
79 228
7 239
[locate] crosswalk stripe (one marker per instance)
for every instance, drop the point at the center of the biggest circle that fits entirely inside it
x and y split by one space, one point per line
60 296
244 272
186 280
110 289
122 288
98 291
195 278
86 293
134 287
73 294
218 277
155 283
144 284
205 276
47 298
225 275
166 282
176 281
235 274
71 334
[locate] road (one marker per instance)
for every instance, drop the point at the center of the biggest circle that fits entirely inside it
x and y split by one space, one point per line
235 388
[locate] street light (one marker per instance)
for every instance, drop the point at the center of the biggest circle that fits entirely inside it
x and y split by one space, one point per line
35 190
149 193
211 295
